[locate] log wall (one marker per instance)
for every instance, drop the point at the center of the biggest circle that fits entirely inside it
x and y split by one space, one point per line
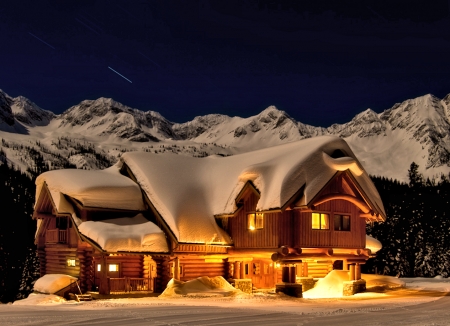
195 267
56 261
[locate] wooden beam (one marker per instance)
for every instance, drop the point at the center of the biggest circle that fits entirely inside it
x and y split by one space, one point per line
336 196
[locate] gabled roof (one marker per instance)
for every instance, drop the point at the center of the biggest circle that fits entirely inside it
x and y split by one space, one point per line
188 192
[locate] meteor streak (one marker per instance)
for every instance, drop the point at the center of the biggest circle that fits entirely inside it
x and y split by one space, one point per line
41 40
120 74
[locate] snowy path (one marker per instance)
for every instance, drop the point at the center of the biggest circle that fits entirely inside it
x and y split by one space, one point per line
403 307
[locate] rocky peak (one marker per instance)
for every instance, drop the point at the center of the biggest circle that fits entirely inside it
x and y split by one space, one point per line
6 115
29 113
198 125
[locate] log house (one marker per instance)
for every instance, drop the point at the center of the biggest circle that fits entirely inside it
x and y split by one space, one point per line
281 214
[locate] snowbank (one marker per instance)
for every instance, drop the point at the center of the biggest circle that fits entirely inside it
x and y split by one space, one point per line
126 234
373 244
40 299
204 285
437 283
105 189
52 283
189 191
332 285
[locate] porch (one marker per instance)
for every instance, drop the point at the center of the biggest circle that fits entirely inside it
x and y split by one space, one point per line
125 284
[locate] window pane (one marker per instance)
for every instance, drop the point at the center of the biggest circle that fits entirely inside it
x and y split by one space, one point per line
259 221
113 267
315 220
325 218
346 223
337 223
251 221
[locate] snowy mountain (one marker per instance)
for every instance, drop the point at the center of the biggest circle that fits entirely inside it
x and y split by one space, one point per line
105 116
93 133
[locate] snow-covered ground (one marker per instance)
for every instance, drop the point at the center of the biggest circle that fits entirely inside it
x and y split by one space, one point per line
421 302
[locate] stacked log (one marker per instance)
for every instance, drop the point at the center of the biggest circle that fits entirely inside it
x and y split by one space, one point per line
89 270
163 276
194 267
41 255
83 275
56 261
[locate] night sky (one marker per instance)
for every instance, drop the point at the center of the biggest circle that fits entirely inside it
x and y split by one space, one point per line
320 61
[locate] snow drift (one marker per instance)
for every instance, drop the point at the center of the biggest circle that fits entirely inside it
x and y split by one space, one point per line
204 285
51 283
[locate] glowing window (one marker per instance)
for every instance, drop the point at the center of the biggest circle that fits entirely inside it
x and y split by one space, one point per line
99 267
71 262
341 222
320 221
113 267
255 221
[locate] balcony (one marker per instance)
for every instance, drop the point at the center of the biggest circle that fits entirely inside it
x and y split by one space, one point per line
56 236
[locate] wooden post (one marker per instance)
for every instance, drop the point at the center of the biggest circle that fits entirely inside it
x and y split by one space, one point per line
358 271
176 268
103 287
344 265
242 269
237 270
305 269
351 275
292 274
285 274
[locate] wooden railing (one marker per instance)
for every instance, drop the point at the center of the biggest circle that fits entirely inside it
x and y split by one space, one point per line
56 236
130 284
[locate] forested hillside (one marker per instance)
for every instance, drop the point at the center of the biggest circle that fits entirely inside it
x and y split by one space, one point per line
18 260
416 234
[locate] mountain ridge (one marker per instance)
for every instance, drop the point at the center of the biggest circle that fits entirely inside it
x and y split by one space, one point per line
386 143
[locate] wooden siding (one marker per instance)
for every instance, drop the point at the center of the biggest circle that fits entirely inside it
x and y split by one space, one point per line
293 227
277 230
307 237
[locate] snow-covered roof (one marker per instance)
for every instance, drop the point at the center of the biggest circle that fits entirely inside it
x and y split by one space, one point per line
187 192
103 189
135 234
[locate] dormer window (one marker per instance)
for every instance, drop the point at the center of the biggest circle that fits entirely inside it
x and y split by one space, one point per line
320 221
255 221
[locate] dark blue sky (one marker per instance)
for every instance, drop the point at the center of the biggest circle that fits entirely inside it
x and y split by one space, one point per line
320 61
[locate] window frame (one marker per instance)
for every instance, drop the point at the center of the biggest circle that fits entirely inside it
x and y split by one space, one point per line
320 220
341 215
255 221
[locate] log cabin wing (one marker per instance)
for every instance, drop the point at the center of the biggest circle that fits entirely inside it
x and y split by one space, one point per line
303 204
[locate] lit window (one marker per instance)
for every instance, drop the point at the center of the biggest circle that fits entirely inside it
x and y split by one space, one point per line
341 222
255 221
99 267
113 267
71 262
320 221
